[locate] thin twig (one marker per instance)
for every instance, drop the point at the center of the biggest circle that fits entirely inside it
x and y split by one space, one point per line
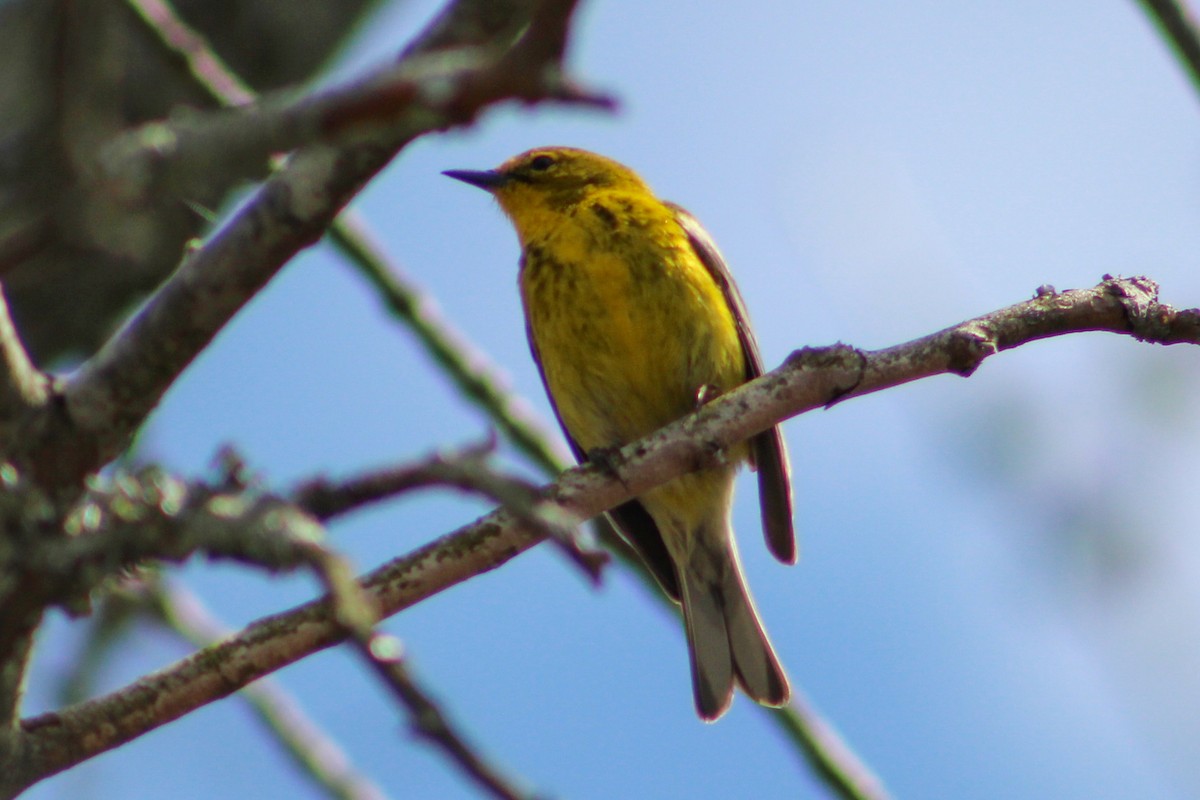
327 499
315 753
465 470
496 23
156 517
356 614
810 379
203 63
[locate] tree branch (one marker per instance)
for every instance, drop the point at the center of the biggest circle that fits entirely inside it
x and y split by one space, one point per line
459 25
810 378
151 516
496 23
109 397
465 469
385 656
204 65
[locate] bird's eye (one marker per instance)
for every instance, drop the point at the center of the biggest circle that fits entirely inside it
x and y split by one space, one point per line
541 163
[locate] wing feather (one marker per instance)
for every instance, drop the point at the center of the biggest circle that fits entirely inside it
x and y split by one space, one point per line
768 454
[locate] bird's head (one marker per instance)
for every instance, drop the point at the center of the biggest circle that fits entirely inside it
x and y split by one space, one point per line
543 183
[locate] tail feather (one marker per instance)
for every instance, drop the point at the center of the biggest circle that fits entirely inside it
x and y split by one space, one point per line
708 646
726 637
758 669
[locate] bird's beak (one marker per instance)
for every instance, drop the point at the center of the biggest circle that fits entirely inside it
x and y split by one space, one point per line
488 180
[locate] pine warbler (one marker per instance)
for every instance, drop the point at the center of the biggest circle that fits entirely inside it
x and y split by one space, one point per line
634 321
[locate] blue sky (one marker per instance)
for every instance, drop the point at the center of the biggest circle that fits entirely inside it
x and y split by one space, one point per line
996 595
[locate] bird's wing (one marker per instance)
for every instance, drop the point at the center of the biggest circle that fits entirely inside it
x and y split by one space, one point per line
631 519
768 454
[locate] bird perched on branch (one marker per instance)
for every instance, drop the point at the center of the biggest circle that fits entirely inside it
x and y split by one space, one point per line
634 322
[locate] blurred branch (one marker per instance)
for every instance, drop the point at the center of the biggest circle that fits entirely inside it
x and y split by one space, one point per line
17 654
150 516
153 516
467 369
384 654
444 87
811 378
496 23
209 70
1177 25
465 365
356 614
75 257
316 753
109 397
26 515
64 555
826 752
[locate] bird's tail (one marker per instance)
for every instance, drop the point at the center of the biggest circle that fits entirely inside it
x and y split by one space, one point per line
726 638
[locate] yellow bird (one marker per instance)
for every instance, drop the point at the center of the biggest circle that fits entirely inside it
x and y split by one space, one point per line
634 321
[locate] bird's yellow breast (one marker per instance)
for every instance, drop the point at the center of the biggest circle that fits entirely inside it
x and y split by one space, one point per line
628 323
